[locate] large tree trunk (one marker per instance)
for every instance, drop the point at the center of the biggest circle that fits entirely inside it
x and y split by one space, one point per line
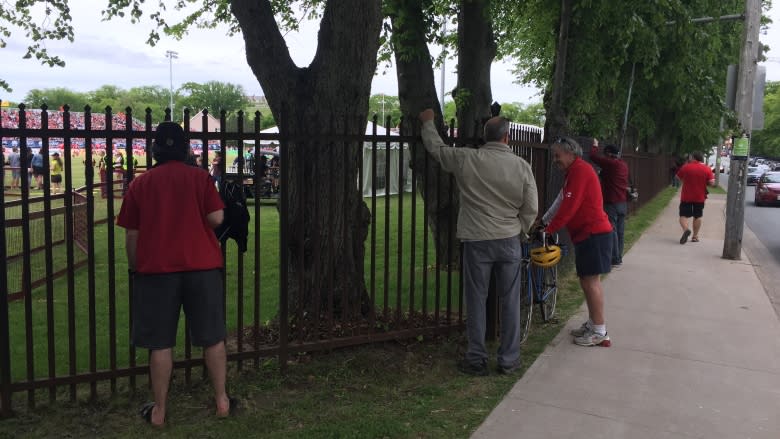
557 121
330 96
476 51
417 91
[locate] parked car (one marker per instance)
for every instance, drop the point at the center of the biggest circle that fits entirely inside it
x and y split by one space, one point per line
754 174
768 189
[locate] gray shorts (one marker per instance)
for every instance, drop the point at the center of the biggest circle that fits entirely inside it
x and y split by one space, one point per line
157 304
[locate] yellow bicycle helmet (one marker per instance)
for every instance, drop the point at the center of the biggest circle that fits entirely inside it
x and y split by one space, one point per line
546 256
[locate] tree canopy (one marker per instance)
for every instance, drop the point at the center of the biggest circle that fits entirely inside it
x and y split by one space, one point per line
679 67
213 95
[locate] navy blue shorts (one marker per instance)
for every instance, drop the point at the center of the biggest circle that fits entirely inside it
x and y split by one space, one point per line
594 255
159 298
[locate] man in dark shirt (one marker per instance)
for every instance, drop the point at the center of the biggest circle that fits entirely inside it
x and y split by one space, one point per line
614 184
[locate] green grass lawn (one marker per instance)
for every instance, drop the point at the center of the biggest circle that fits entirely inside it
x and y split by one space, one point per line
402 389
717 190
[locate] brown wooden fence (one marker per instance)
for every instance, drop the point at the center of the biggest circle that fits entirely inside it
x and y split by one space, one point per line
74 331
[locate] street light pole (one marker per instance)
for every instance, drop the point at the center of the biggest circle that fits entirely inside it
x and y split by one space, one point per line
171 55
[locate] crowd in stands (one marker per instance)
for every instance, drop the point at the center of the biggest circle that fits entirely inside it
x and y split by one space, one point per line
10 119
33 120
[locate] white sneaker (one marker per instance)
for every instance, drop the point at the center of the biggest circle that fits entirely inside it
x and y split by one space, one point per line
591 338
579 332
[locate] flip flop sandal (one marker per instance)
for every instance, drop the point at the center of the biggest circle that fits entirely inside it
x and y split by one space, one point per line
146 413
694 239
685 236
233 407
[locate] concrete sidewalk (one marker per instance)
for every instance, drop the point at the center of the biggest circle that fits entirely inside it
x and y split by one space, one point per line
695 351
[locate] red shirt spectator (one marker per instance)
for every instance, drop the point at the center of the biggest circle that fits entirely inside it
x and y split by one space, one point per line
195 243
581 211
695 176
614 176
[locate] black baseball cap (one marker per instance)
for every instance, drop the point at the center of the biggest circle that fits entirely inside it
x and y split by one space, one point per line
169 143
169 135
611 149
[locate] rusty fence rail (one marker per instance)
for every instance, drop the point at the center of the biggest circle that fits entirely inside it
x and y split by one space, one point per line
283 296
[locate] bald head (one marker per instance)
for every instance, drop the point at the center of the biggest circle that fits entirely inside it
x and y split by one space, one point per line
496 129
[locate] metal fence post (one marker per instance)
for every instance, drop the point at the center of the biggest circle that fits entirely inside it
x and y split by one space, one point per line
5 340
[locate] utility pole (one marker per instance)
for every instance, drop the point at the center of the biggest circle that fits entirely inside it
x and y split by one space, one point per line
171 55
735 201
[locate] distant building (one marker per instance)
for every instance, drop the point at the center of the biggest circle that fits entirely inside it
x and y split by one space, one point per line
196 123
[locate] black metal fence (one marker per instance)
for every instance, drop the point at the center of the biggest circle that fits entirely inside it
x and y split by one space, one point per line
73 331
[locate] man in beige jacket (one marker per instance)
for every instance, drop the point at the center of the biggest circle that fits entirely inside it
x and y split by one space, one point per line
498 202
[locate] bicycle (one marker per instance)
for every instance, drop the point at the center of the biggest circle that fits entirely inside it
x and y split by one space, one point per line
539 285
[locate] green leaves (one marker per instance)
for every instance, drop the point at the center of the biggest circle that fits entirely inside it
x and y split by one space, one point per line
767 141
38 21
680 67
213 95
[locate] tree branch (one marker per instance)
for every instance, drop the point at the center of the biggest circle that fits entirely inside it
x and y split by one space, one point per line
264 41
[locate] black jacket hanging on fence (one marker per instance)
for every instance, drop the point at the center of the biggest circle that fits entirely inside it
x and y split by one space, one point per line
236 222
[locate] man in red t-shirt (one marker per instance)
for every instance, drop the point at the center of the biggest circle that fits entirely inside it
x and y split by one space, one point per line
169 213
579 208
695 177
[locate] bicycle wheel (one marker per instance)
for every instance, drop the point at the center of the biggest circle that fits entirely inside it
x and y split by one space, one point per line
549 292
526 304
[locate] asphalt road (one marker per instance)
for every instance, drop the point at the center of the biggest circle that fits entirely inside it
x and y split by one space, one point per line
761 242
763 221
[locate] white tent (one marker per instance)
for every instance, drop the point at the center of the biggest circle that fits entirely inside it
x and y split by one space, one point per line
385 151
272 130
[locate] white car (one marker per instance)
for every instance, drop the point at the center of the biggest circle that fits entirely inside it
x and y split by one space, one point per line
754 174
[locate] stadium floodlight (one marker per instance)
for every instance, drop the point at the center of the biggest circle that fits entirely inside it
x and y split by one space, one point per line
171 55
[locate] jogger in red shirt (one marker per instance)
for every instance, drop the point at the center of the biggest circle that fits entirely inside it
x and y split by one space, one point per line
695 176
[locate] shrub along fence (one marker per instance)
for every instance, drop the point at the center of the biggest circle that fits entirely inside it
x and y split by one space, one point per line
281 299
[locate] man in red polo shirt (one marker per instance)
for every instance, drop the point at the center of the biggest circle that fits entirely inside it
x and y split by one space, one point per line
614 185
695 176
579 208
169 213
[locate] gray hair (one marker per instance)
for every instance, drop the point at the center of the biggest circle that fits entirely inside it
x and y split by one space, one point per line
569 145
495 129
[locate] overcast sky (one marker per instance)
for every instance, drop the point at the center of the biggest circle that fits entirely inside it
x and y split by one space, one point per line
114 53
